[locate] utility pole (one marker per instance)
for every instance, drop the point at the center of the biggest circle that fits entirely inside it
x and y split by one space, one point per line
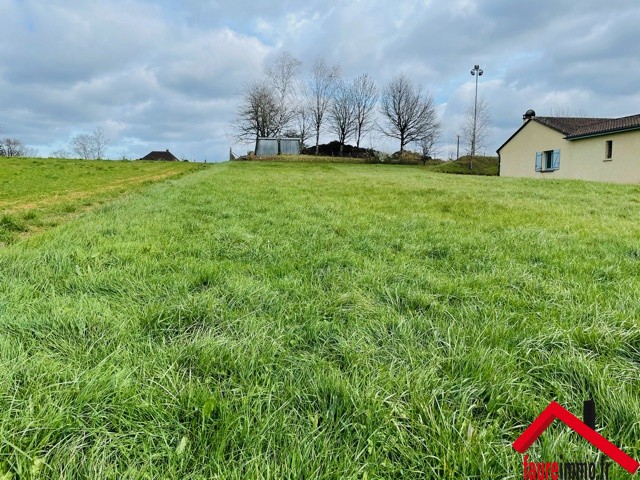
476 72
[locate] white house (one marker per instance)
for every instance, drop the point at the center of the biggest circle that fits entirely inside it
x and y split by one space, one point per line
605 149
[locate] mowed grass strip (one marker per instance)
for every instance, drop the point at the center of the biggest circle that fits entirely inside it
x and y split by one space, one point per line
40 193
265 320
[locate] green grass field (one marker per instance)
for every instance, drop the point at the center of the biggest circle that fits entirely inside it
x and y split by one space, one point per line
480 165
269 320
305 159
40 193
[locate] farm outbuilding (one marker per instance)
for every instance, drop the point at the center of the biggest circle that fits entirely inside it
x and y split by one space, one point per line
267 146
163 156
605 149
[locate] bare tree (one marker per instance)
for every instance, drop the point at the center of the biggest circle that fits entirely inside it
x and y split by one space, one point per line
30 152
59 153
12 147
283 75
299 127
100 142
80 145
269 106
566 111
428 141
409 113
258 114
483 127
342 113
302 121
365 97
321 86
90 146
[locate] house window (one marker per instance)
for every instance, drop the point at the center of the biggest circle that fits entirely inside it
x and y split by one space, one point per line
608 151
548 161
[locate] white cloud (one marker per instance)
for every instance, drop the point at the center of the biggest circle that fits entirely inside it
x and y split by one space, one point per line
165 74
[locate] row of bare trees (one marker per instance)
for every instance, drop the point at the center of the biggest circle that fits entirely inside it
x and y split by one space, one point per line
88 146
286 103
14 147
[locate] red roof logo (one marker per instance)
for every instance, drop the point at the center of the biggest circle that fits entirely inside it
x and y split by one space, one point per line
555 410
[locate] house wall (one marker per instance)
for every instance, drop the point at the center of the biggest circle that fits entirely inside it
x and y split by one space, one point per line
518 157
582 159
590 162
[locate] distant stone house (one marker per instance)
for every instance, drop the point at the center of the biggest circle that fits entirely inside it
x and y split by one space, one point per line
605 149
165 156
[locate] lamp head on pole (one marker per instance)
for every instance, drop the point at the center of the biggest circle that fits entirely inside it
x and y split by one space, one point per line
476 70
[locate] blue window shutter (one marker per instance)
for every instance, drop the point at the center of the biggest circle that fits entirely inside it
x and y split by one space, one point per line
556 159
538 161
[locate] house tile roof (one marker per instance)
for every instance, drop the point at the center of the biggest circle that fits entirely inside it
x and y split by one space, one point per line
567 125
579 127
166 156
606 126
575 128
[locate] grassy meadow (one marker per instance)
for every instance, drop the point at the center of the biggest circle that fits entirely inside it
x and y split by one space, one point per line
480 165
283 320
38 193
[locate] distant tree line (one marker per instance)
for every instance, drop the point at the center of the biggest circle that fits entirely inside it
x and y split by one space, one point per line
287 101
87 146
284 102
14 147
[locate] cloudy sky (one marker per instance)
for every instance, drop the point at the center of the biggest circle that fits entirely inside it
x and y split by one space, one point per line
166 74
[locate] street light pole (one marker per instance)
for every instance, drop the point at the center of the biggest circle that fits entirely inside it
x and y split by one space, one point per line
476 72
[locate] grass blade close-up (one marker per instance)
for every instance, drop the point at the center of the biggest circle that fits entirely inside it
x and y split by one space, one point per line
314 320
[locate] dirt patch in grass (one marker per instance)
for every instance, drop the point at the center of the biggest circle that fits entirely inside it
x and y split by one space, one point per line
58 199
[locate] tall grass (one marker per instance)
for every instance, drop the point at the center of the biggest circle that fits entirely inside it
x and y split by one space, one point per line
39 193
266 320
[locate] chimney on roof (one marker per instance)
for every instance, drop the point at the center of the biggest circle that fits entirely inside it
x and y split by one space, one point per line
528 116
167 149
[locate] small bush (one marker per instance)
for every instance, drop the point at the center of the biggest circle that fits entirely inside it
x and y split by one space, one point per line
406 158
11 224
464 166
332 149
